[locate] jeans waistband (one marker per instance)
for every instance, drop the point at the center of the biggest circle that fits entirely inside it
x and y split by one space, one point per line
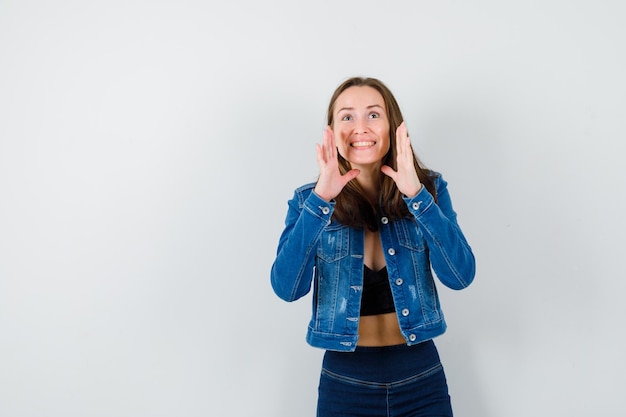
383 364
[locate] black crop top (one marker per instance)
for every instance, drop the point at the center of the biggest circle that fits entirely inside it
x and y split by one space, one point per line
376 298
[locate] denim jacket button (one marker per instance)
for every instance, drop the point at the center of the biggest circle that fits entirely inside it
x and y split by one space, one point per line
405 312
416 205
384 220
412 337
399 281
391 251
325 210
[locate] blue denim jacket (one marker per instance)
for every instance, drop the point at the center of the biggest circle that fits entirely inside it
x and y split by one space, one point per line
313 249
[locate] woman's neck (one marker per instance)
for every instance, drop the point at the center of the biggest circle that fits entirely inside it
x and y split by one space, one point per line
369 180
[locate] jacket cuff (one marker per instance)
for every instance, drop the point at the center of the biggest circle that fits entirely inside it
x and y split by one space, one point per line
420 203
319 207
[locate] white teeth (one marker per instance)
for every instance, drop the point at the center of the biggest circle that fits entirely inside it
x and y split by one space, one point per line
359 144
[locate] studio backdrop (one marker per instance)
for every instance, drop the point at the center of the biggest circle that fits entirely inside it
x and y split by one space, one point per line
148 150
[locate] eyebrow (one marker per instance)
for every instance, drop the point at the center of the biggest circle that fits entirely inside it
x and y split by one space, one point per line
368 107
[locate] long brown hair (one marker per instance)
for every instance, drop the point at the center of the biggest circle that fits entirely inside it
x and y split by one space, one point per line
352 208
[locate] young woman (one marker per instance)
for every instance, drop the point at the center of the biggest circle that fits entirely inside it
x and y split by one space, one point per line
366 237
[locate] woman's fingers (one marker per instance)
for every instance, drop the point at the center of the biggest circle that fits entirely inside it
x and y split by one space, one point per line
403 142
319 155
350 175
332 146
330 182
399 138
404 175
327 145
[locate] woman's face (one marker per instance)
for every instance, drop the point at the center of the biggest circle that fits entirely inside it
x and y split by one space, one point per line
361 127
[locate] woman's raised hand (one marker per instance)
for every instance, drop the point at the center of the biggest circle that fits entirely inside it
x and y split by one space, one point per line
330 182
405 177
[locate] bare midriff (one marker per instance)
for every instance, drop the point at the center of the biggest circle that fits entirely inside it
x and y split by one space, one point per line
379 329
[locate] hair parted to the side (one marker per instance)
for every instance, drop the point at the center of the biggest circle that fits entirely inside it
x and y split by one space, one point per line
352 208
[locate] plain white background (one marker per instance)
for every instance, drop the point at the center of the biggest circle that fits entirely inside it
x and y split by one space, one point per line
148 148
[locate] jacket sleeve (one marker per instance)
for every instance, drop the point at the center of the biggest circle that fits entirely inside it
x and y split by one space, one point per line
450 255
292 270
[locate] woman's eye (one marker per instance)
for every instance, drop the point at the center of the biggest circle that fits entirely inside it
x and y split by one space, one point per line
346 118
374 115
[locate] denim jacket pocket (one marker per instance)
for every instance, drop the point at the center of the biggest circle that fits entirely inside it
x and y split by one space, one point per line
410 236
333 244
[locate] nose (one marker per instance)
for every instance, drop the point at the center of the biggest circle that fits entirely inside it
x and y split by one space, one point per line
360 126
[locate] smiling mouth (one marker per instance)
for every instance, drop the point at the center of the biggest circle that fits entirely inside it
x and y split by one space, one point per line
363 144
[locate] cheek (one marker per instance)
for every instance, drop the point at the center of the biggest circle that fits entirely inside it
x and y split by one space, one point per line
386 141
341 150
340 142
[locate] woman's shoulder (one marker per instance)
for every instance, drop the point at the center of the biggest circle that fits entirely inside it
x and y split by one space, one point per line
435 175
305 189
301 193
438 181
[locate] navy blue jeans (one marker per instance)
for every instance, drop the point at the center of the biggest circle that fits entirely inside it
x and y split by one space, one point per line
390 381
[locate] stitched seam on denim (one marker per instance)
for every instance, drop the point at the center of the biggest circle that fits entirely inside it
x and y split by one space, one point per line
387 399
310 248
333 302
445 256
355 381
424 374
352 381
